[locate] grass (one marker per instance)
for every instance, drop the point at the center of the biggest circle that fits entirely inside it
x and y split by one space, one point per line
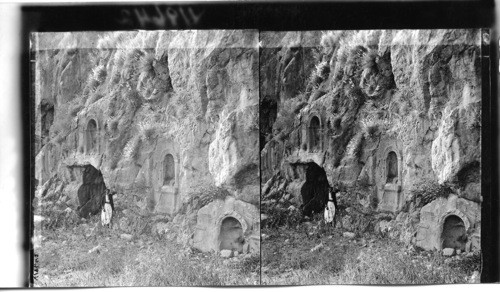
427 191
146 129
370 127
309 254
65 260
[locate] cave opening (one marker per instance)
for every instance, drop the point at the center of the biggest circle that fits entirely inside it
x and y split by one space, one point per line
454 234
314 191
392 167
169 170
91 192
314 137
91 135
231 235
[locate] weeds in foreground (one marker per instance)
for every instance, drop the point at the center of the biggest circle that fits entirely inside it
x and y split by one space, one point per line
304 256
67 259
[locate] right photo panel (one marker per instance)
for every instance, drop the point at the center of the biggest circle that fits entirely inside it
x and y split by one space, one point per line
370 147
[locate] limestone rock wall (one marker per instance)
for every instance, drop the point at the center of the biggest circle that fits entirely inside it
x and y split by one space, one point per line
384 113
163 115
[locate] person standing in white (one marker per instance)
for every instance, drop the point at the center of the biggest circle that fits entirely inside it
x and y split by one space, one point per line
330 210
107 209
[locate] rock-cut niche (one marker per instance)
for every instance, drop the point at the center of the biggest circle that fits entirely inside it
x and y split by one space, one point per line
91 135
231 235
454 234
314 137
169 170
392 168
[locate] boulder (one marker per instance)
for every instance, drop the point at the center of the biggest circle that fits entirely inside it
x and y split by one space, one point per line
226 253
448 252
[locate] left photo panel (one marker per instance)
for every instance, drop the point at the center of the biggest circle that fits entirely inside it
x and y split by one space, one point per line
146 151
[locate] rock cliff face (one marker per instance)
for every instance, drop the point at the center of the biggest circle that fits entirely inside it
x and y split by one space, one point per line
167 119
393 118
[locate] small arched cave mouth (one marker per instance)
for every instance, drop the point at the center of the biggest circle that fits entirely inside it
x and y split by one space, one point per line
392 168
91 192
91 135
231 235
169 170
315 190
454 234
314 137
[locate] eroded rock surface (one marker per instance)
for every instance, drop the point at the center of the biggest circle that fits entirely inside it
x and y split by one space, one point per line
392 117
168 118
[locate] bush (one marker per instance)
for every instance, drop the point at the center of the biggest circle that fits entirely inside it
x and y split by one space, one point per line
203 196
146 130
329 40
318 75
427 191
279 216
369 127
99 74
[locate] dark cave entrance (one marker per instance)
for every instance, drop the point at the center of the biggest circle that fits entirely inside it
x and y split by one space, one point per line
392 167
91 135
314 133
315 190
231 234
454 234
91 192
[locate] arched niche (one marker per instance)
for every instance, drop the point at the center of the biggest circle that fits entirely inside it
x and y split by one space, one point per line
91 135
231 234
453 232
314 129
392 170
168 170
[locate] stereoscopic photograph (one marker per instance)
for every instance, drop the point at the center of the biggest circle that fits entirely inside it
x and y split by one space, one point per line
146 157
370 147
246 157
